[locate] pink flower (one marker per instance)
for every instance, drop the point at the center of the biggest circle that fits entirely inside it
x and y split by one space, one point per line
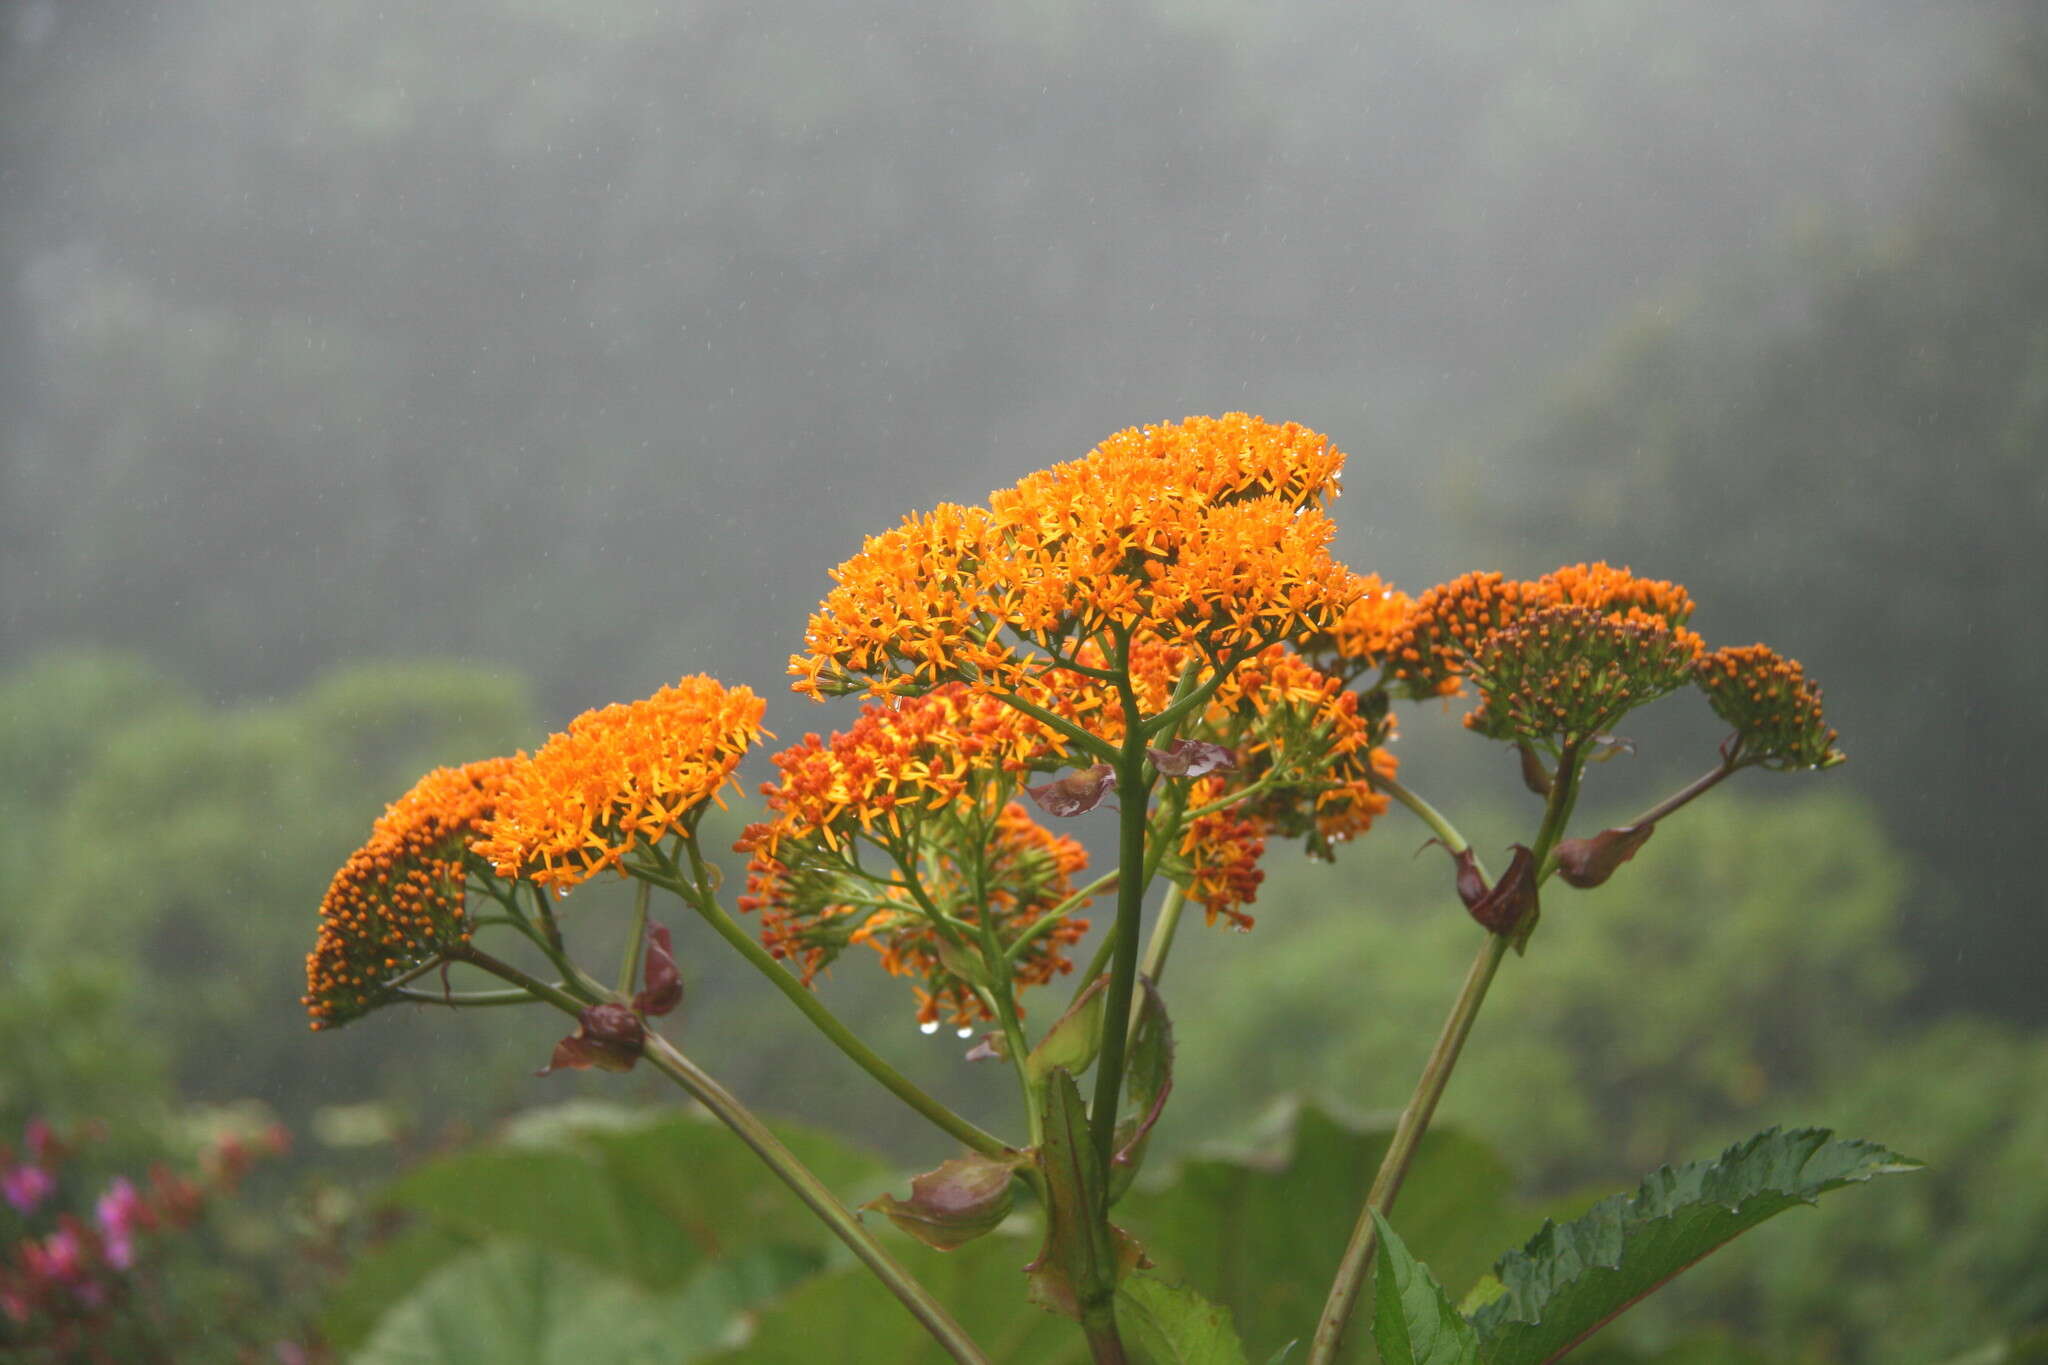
26 1186
121 1212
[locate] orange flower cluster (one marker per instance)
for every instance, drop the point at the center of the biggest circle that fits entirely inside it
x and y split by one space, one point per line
1775 709
1364 637
1221 851
1447 625
397 902
911 758
627 773
1288 714
812 910
929 779
1563 674
1209 534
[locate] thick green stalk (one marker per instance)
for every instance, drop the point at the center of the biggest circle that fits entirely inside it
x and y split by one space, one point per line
1134 796
827 1023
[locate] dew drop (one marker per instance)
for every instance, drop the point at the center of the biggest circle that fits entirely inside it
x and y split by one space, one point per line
964 1033
930 1026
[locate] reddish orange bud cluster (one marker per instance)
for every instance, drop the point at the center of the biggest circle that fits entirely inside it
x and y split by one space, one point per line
1775 709
1222 851
398 901
1010 878
1561 675
1449 623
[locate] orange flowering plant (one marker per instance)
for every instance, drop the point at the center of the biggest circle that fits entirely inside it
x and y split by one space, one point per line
1156 632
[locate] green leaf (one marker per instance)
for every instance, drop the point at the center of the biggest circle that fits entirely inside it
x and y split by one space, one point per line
1259 1232
648 1199
514 1303
1170 1324
1148 1080
1074 1038
1413 1320
382 1277
1083 1258
1571 1279
848 1318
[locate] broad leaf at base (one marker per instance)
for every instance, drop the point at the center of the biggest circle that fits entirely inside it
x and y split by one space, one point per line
1413 1320
1571 1279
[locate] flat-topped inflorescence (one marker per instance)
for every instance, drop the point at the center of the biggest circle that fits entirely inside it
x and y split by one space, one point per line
619 777
1774 707
1208 533
398 902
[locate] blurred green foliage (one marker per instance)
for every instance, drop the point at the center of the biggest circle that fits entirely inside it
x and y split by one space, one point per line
164 861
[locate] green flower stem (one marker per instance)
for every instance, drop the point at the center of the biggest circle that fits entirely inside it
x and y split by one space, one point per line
516 995
1081 739
1436 1073
545 913
1704 782
1428 814
827 1023
630 966
663 1055
561 997
1134 797
1162 933
1058 913
1098 963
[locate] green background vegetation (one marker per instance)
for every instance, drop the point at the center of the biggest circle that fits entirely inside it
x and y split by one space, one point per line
385 392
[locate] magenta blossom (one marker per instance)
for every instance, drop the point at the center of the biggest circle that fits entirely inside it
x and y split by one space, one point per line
26 1186
121 1213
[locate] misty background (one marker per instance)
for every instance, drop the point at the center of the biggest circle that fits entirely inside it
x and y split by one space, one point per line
382 385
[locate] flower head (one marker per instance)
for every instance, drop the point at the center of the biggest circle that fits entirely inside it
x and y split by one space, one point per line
1430 649
898 764
1208 533
618 777
1563 674
1013 873
397 902
902 833
1774 707
1220 852
1364 638
1313 746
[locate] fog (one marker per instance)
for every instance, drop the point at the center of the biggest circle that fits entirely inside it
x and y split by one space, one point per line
382 385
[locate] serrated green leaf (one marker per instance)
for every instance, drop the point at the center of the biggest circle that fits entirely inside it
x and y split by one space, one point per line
1571 1279
1413 1320
1170 1324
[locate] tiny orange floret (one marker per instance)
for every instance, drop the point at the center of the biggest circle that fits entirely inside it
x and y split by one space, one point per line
619 777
